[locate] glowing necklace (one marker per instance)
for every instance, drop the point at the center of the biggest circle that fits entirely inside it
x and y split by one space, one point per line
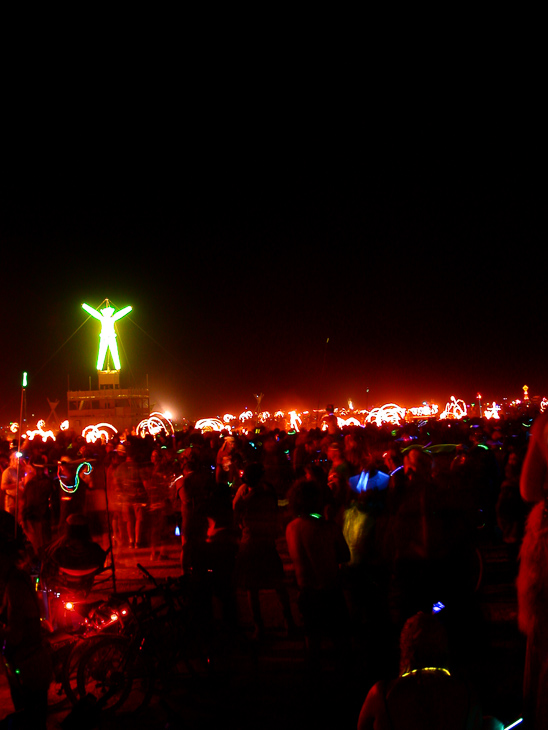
427 669
70 489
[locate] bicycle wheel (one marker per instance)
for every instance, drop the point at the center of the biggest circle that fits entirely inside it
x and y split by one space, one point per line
116 674
69 678
57 691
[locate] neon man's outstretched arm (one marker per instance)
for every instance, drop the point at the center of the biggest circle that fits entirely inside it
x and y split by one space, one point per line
93 312
121 313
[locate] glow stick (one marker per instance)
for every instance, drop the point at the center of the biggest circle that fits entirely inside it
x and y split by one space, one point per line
361 486
517 722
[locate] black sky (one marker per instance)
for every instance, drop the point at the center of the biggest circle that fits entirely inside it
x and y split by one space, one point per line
414 242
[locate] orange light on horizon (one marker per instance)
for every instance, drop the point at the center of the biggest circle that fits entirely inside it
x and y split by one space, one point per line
39 432
155 424
454 409
295 421
492 412
389 413
99 432
211 424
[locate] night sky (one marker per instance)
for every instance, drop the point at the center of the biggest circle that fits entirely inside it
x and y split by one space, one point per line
313 258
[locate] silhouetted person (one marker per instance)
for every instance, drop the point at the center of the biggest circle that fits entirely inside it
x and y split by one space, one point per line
532 581
426 695
317 548
26 656
193 491
258 563
131 487
37 519
74 558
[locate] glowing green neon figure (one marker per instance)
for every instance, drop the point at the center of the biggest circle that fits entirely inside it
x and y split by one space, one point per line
107 338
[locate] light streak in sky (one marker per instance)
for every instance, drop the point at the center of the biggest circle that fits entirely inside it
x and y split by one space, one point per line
246 415
543 405
107 337
64 426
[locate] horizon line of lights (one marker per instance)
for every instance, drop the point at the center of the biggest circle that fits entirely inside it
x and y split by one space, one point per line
158 423
389 413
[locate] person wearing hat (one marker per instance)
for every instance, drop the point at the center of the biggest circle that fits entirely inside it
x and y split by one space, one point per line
74 558
36 509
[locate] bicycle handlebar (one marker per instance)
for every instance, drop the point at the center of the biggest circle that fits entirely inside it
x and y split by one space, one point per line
148 575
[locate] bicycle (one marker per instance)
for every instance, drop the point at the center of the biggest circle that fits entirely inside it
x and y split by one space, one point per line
70 623
68 646
159 635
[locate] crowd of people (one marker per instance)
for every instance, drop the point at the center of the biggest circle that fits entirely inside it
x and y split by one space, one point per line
381 525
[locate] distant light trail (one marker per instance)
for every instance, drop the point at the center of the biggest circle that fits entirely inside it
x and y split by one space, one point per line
389 413
455 409
425 411
295 421
347 422
98 432
211 424
44 435
155 424
492 412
